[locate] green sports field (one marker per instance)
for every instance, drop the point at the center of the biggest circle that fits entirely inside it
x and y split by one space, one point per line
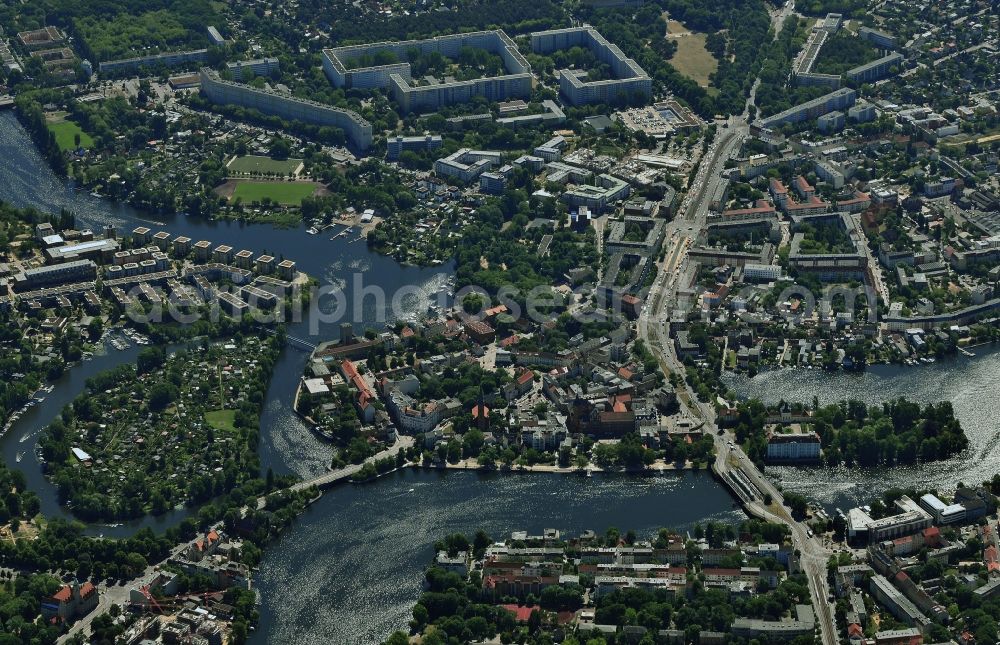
66 132
255 164
282 192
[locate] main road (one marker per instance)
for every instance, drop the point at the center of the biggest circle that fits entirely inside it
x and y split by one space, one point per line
759 496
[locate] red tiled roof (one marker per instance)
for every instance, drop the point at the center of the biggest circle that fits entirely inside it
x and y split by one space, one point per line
521 614
510 340
63 595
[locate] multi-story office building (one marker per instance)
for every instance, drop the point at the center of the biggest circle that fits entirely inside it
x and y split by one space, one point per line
796 446
607 190
630 79
396 77
357 129
258 67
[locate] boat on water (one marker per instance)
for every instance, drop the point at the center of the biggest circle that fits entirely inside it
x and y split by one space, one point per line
312 230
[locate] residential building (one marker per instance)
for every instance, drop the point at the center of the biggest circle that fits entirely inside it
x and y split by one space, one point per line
244 70
629 81
397 77
837 100
167 59
216 90
396 145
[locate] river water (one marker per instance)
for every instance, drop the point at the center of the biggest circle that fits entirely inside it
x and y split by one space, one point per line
350 570
971 384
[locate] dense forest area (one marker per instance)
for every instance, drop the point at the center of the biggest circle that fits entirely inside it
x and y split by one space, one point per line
107 29
348 23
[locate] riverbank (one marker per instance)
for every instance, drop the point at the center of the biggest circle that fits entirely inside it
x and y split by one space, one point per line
659 466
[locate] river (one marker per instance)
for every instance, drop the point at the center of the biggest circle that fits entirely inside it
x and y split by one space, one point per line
350 569
972 384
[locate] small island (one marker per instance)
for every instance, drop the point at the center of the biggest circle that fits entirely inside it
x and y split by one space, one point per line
171 430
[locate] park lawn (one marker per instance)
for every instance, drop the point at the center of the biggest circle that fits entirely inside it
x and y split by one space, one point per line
281 192
692 59
66 132
253 163
221 419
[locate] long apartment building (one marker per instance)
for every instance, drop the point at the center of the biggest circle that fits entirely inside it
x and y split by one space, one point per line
630 79
397 77
357 129
878 38
837 100
168 59
875 70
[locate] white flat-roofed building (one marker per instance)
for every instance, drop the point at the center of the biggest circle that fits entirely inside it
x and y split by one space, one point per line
466 165
256 67
97 250
215 37
394 146
753 272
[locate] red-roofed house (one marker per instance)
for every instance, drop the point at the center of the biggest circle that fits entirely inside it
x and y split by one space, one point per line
366 398
204 546
521 385
803 188
990 557
70 602
521 614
